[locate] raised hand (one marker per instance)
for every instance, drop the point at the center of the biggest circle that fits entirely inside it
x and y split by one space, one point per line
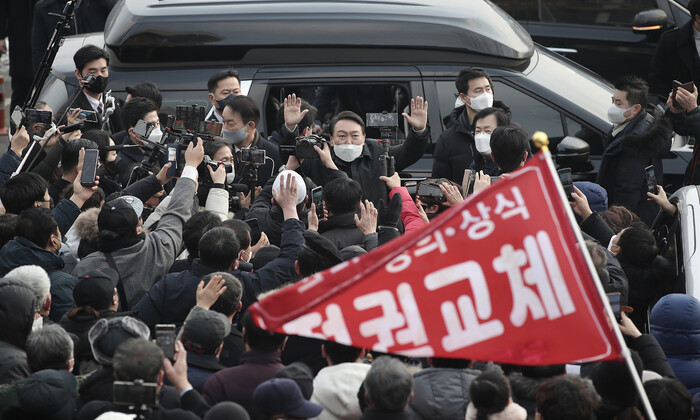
419 114
292 111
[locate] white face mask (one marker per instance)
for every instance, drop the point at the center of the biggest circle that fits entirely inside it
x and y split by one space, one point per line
616 115
348 152
230 177
37 324
610 244
482 141
481 102
155 136
458 102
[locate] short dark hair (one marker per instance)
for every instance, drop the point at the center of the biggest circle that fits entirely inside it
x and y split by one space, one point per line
566 397
502 118
71 153
669 398
218 248
508 145
259 339
135 110
635 88
211 147
245 107
694 8
637 245
101 139
87 54
8 227
227 303
49 347
305 122
342 195
435 201
241 229
219 76
137 358
94 202
146 90
21 191
36 224
467 74
618 218
193 230
346 115
490 393
340 353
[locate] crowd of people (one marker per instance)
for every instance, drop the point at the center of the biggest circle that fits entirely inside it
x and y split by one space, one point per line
129 297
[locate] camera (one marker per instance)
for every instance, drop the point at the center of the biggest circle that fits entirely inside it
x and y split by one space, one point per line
137 393
304 147
253 156
88 80
431 191
387 124
214 165
188 117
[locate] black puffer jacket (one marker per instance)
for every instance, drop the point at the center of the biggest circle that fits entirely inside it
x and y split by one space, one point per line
17 303
640 144
441 393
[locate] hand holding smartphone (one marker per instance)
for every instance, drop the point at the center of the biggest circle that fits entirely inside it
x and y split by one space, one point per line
89 170
165 339
676 84
317 199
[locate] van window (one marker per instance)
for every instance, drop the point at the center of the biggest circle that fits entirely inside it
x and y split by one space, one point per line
594 12
522 10
330 99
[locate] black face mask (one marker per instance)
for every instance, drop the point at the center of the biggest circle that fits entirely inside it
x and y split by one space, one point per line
113 168
99 85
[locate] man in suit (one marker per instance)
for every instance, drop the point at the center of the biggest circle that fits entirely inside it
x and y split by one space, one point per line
94 60
222 86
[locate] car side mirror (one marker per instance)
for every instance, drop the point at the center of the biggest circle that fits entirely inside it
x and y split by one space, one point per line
650 22
574 153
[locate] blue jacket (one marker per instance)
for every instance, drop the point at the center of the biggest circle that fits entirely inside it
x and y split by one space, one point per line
21 251
675 323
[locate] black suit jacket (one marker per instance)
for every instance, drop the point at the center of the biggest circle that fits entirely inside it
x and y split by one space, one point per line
676 58
114 124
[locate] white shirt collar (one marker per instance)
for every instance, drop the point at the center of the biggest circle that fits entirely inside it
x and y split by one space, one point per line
94 103
618 128
218 117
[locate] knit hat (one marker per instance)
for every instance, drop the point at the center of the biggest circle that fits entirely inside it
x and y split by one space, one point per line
108 333
300 373
49 394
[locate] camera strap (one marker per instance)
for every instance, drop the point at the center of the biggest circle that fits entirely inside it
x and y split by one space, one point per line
120 285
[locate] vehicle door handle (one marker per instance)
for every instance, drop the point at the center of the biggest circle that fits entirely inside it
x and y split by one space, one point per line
562 50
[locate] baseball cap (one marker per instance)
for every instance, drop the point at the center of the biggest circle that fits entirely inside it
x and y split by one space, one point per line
108 333
283 396
301 185
49 394
118 216
205 331
96 288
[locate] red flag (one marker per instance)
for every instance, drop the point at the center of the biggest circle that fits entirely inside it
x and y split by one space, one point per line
499 277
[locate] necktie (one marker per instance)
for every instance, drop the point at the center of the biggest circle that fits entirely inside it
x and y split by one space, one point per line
100 110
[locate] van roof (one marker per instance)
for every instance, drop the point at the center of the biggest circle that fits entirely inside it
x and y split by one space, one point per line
243 31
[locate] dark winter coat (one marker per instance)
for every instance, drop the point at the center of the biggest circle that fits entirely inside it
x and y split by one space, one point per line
455 150
192 403
690 122
647 285
640 144
675 323
442 393
269 170
170 300
200 367
365 169
21 251
676 58
341 230
17 306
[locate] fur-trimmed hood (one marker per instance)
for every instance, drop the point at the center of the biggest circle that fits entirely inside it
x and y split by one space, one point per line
649 137
86 225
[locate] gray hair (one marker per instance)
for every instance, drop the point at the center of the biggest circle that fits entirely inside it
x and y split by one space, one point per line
36 278
49 347
228 302
388 384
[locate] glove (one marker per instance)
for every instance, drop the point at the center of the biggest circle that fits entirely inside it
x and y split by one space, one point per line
389 215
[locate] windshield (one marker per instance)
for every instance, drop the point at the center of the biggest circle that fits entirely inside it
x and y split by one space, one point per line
577 84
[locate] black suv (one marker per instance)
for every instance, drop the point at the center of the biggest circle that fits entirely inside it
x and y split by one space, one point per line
395 49
612 38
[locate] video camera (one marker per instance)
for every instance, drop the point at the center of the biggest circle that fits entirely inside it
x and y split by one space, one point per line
138 395
214 165
387 124
303 147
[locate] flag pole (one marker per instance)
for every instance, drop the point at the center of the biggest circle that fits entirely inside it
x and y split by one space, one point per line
542 142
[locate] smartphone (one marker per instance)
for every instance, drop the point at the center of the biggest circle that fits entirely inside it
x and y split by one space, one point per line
495 179
614 299
467 181
254 230
38 116
676 84
165 339
143 128
651 180
89 172
72 127
317 199
567 182
89 116
135 393
173 153
430 190
256 156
